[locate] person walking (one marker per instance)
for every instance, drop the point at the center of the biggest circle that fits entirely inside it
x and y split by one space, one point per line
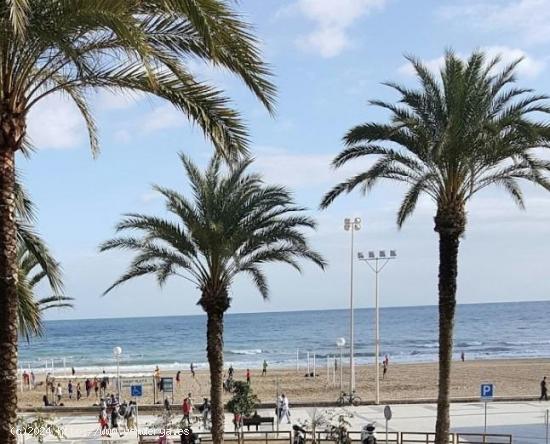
157 377
130 416
192 368
59 393
70 389
103 422
78 391
248 376
33 379
385 370
115 420
462 357
205 407
178 379
187 408
543 390
264 368
96 387
230 371
285 408
73 371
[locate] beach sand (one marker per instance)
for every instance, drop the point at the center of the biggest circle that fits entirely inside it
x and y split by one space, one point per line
517 377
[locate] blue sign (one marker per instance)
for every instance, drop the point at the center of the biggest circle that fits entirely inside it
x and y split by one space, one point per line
136 390
487 392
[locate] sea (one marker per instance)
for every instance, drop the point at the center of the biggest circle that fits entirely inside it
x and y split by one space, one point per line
408 334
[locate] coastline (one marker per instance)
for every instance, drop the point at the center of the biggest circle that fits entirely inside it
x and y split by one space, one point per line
404 381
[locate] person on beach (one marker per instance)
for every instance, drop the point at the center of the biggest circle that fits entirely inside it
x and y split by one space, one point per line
462 357
248 376
157 376
285 408
230 371
543 390
192 368
73 371
385 369
78 391
70 389
33 379
264 368
205 408
25 378
103 386
96 387
59 393
87 387
178 379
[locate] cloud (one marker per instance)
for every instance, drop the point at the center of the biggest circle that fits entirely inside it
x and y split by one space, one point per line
56 123
163 117
107 100
526 19
296 170
122 136
529 66
332 20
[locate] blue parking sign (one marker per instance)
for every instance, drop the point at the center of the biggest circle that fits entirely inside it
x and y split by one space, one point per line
487 392
136 390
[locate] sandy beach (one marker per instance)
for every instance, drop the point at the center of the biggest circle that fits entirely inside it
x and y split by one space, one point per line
518 377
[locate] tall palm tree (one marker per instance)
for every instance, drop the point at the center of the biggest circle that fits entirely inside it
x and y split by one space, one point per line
232 225
72 47
460 132
31 273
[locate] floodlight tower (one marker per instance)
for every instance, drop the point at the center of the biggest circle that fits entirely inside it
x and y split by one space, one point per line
376 263
351 225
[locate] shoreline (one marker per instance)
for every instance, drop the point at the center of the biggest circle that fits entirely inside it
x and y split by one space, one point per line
411 381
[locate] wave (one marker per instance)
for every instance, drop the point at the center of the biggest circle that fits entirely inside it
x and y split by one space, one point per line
540 342
469 344
255 351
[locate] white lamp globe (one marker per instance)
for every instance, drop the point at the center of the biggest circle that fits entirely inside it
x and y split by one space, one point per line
117 351
340 342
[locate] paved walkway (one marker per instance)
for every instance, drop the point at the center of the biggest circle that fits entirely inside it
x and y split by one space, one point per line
525 421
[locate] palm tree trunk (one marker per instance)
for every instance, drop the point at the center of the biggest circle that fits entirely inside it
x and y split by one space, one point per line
448 253
8 296
214 349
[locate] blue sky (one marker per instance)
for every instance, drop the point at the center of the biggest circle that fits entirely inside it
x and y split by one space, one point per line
329 57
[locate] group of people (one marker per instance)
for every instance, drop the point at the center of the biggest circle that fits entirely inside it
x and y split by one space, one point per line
115 416
97 386
187 409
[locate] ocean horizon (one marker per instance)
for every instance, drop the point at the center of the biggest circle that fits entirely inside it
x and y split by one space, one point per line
408 334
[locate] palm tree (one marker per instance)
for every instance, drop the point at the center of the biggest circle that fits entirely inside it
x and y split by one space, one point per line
233 225
30 275
457 134
72 47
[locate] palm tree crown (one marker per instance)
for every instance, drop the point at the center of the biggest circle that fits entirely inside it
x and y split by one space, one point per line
234 224
74 46
453 137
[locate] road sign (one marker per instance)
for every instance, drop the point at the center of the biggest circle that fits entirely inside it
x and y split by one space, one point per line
136 390
143 381
487 392
387 413
167 384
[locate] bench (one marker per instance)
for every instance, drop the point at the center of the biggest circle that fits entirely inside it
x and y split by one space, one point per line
258 421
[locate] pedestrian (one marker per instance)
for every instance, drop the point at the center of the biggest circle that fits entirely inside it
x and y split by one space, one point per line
70 389
187 407
385 370
78 392
87 387
115 420
264 368
285 408
192 368
178 379
59 393
248 376
103 386
33 379
230 371
73 371
130 416
205 407
25 378
462 357
96 387
103 422
543 390
157 376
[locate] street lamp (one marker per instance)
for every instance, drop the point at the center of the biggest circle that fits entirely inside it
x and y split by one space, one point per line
340 344
351 226
117 351
376 263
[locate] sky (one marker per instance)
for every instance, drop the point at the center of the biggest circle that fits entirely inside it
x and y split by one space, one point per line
329 58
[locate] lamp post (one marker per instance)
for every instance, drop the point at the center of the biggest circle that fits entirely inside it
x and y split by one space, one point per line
117 351
376 263
351 226
341 343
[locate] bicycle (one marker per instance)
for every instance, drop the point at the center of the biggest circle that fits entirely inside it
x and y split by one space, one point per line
351 399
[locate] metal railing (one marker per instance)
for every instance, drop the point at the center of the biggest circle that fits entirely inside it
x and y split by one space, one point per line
355 436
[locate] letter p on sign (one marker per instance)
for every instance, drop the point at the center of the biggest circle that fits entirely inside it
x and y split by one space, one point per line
487 392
